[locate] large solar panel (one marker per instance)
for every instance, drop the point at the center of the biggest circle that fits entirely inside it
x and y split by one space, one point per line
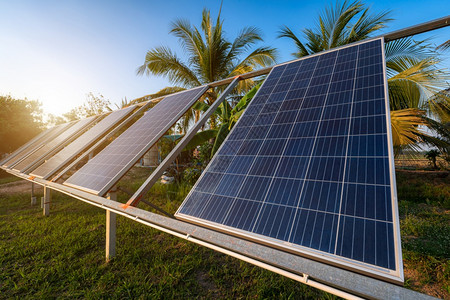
56 142
58 160
308 167
107 167
34 146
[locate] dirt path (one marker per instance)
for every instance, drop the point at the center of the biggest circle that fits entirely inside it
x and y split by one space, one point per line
21 186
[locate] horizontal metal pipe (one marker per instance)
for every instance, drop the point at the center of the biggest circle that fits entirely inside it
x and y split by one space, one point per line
417 29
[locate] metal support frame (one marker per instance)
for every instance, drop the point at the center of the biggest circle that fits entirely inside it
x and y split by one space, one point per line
153 178
417 29
47 199
335 280
33 197
110 247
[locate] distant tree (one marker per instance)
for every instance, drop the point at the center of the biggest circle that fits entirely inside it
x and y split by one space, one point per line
94 105
20 120
432 156
53 120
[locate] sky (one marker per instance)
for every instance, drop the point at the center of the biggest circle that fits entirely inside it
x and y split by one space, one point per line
59 51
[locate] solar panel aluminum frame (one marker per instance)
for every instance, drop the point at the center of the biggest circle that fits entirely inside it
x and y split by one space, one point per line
360 267
127 167
26 145
83 148
37 145
101 141
58 147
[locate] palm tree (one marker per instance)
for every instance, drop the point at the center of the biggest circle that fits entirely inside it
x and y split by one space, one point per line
210 57
414 78
337 27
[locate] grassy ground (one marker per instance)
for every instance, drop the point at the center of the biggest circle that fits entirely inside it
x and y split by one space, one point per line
63 255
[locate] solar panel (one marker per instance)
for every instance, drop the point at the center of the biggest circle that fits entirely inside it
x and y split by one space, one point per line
55 143
309 166
58 160
107 167
26 145
49 134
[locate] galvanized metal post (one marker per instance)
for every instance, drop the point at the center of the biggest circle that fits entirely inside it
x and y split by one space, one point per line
33 197
111 229
47 199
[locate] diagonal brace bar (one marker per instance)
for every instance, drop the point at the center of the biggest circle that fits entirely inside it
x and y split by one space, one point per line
151 180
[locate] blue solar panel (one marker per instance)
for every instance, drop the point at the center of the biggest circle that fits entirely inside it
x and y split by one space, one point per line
107 167
308 166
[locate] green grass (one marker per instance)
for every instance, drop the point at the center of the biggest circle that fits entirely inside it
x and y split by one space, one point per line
63 255
425 230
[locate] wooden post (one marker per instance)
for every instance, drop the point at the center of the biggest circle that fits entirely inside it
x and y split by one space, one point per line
46 203
33 197
111 229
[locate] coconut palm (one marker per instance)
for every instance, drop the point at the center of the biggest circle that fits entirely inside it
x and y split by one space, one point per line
210 56
414 78
342 24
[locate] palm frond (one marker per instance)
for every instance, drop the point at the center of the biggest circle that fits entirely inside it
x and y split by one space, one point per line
444 46
163 92
287 32
405 127
162 61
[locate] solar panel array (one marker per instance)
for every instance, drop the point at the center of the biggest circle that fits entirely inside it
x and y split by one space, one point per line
58 160
34 146
26 145
107 167
307 167
51 145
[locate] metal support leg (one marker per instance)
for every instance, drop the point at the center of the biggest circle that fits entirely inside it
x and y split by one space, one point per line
46 203
91 155
111 230
33 197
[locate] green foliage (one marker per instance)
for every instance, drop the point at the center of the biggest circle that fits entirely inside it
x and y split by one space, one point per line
432 155
202 156
424 200
94 105
211 56
345 23
20 120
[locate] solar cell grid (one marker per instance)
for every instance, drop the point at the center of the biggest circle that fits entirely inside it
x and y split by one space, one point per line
51 133
28 144
308 164
56 142
100 173
58 160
